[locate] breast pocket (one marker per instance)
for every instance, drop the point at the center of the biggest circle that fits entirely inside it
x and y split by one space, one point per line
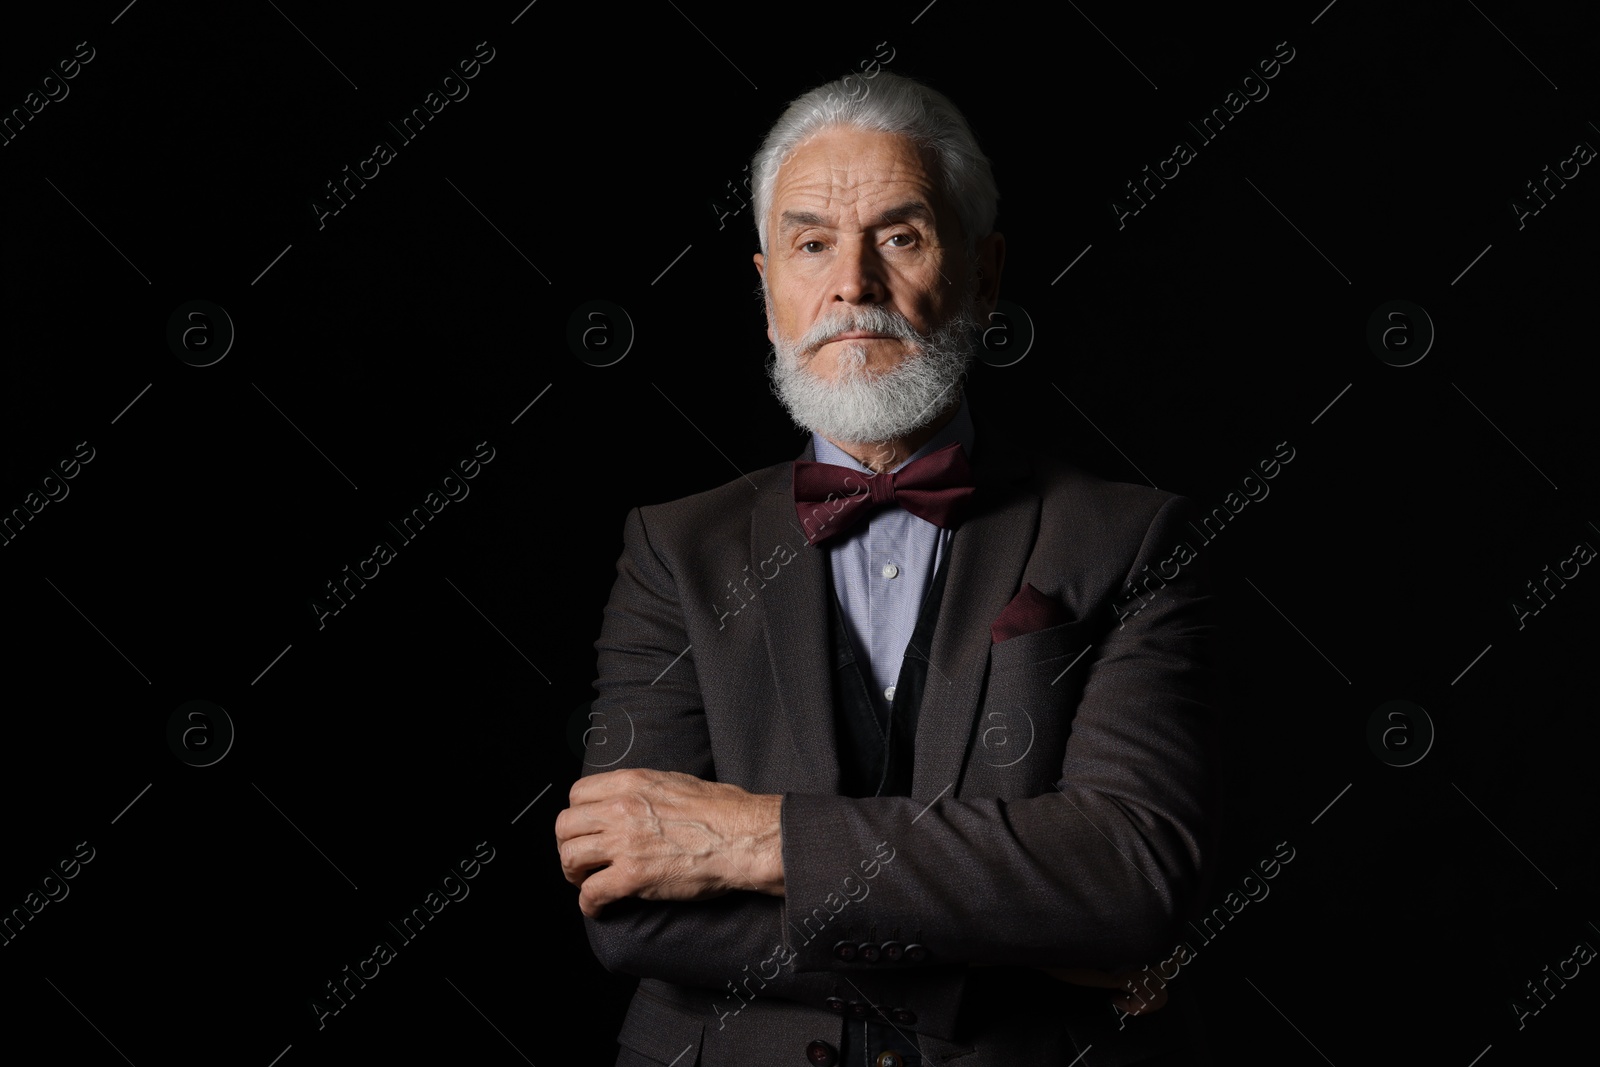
1034 685
1039 648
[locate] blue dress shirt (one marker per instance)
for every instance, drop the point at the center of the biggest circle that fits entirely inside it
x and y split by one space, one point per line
884 564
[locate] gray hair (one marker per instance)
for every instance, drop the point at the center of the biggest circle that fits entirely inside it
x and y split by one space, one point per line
890 103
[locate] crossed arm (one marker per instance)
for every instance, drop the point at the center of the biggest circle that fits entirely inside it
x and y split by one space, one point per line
685 878
668 836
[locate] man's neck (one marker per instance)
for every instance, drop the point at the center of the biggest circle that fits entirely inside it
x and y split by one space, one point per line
881 456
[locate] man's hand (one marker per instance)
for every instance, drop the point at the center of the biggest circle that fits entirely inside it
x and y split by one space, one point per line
661 835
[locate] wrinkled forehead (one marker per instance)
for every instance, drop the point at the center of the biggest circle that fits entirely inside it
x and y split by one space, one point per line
843 174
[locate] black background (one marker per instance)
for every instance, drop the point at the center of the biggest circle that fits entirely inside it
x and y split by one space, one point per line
375 351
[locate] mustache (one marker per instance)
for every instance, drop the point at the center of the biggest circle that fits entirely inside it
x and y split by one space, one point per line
868 319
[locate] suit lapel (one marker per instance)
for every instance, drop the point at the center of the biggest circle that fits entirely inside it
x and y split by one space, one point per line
987 556
797 631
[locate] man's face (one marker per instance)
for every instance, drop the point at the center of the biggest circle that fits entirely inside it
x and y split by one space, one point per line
866 274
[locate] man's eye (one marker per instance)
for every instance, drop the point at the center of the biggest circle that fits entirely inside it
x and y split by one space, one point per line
811 246
906 237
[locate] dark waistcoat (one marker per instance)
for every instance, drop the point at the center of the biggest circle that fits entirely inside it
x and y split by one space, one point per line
875 743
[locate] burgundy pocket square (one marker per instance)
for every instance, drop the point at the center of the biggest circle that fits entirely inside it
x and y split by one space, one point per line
1029 611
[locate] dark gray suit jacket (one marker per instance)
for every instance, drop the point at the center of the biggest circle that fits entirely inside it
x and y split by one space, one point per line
1061 804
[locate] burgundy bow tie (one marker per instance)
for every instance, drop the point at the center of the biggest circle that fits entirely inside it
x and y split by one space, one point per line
828 498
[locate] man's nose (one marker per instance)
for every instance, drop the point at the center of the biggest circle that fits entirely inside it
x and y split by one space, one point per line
858 274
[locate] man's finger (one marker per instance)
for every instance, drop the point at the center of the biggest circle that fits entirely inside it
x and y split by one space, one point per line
582 856
602 887
580 821
594 788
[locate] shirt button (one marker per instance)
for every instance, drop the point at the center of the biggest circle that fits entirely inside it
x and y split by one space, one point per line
890 570
888 694
822 1053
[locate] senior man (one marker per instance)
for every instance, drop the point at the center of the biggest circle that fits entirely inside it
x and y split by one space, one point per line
898 784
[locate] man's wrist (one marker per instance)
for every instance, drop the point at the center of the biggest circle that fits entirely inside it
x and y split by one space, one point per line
766 845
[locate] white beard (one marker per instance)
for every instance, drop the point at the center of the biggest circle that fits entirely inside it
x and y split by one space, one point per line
860 406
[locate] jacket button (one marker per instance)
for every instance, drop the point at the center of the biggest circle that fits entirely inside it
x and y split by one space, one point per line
820 1052
889 1058
903 1016
893 951
916 953
837 1004
844 950
867 952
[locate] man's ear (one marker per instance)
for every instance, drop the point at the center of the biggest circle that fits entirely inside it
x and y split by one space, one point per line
766 303
991 256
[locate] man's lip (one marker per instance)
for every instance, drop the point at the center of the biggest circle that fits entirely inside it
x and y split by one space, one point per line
858 335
